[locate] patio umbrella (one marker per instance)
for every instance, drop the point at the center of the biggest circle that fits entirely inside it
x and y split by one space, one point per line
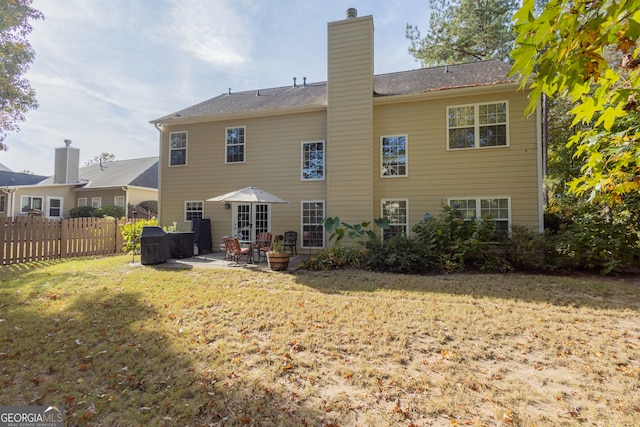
250 195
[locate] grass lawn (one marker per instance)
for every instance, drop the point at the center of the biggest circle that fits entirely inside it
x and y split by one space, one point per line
121 344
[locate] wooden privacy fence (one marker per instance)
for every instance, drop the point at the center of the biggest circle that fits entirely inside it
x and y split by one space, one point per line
32 238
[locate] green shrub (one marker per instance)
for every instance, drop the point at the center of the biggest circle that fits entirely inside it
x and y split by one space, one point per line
530 251
400 254
493 263
109 211
131 233
597 242
82 212
452 240
335 258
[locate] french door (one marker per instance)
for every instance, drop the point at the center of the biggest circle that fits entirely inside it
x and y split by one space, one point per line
249 219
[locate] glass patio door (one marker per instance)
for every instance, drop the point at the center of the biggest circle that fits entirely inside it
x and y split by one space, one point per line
249 219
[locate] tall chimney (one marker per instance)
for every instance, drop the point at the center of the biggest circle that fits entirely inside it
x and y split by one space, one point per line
67 164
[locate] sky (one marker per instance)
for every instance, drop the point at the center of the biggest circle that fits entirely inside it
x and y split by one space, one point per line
104 69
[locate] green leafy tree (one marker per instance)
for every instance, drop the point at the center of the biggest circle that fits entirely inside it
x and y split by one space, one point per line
464 31
587 50
17 96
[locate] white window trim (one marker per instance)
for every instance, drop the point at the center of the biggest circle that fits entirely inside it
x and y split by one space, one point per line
49 198
186 148
115 201
406 155
324 160
244 144
3 205
476 126
302 223
96 199
80 199
42 200
479 199
185 208
382 201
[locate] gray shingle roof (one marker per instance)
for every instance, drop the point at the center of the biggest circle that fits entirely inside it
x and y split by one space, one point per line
136 172
10 179
423 80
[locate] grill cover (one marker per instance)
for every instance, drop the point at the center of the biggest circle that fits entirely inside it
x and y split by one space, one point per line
181 245
154 246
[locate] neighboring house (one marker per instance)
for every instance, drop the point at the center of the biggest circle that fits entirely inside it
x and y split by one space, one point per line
10 179
119 183
359 146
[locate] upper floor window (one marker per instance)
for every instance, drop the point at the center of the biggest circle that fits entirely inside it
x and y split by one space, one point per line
396 212
235 145
477 126
313 160
497 209
394 155
28 203
193 209
96 202
177 148
3 202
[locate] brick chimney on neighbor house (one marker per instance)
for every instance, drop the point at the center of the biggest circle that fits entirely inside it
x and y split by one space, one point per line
67 164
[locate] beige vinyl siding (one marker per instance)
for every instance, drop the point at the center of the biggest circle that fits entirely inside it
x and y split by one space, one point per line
107 195
64 192
350 119
272 163
437 173
136 195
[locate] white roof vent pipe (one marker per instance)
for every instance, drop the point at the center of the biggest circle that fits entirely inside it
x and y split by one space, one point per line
352 13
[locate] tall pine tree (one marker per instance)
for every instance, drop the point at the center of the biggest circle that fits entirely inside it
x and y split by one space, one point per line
464 31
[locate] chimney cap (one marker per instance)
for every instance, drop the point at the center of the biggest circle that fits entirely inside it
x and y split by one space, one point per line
67 142
352 12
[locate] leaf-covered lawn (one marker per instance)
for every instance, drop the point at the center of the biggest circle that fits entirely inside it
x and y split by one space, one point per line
119 344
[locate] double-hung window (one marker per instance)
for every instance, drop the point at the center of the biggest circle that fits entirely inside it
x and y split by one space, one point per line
396 212
3 203
235 145
193 209
477 126
28 203
394 155
55 207
312 228
313 161
177 148
82 201
497 209
118 201
96 202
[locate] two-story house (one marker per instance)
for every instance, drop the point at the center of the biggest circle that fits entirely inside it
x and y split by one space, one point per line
358 146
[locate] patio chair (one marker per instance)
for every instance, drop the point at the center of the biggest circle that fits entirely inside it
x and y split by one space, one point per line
263 244
235 251
290 241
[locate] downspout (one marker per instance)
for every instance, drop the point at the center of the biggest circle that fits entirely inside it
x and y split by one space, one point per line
541 160
159 126
126 201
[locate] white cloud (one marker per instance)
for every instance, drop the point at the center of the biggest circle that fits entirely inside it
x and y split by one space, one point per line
216 32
